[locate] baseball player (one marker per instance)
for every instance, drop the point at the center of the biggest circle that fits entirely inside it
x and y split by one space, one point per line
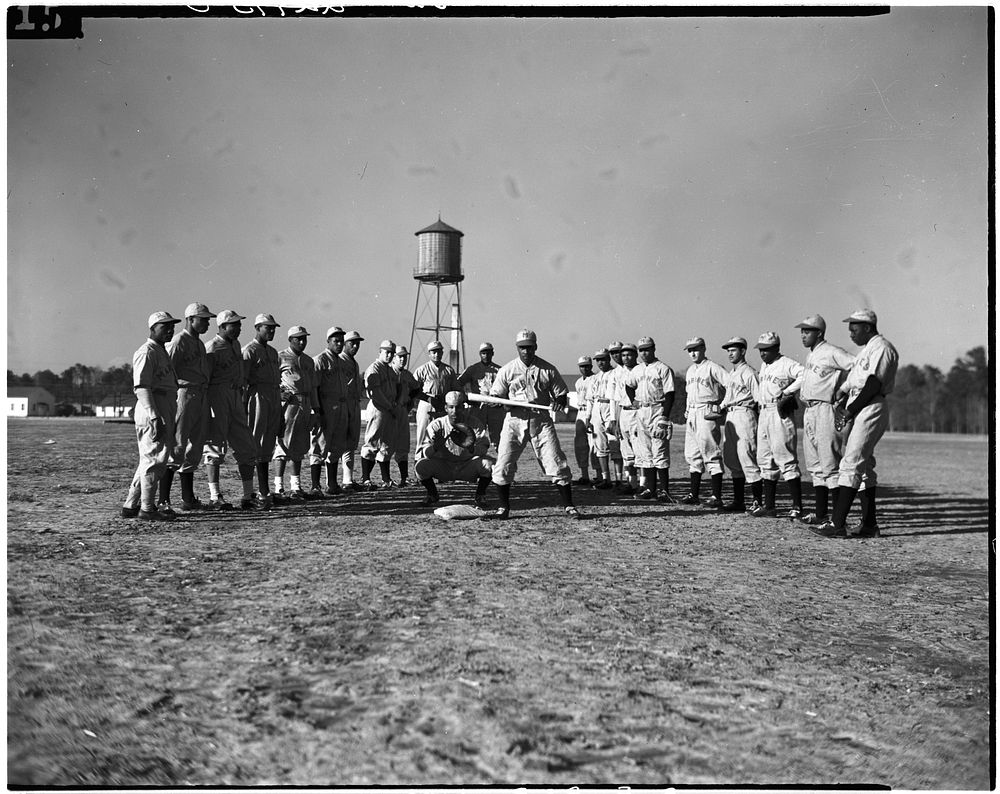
627 419
228 425
615 350
329 441
531 379
155 385
262 399
436 379
190 361
455 447
650 388
603 425
739 407
861 400
581 436
826 369
298 405
408 391
382 387
478 379
780 380
704 383
355 388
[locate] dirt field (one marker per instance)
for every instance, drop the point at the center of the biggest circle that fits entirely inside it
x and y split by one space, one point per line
364 641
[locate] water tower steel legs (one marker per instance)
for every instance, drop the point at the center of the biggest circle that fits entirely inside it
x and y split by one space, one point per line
456 356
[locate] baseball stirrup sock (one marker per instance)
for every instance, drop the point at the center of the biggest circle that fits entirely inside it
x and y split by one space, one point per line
695 483
845 498
867 498
503 496
263 475
822 500
663 475
331 475
717 486
757 491
383 467
366 469
795 488
770 491
739 485
404 469
565 495
432 490
187 486
481 485
166 481
315 471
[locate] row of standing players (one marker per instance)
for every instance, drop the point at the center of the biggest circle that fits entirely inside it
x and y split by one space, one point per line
742 420
196 401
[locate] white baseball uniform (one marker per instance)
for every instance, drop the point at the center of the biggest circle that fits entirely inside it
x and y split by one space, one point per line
826 369
777 437
651 383
705 386
739 448
436 380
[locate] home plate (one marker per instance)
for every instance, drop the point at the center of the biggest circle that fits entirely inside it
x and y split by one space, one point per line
459 512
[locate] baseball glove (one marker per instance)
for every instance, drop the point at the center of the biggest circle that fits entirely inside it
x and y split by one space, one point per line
462 436
663 429
841 418
713 414
787 406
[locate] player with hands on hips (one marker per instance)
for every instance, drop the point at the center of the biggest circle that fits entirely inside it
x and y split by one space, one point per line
705 386
299 414
650 388
155 386
454 447
780 379
826 369
382 387
531 379
861 403
739 407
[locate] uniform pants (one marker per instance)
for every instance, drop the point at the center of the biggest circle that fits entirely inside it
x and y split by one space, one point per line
604 443
192 425
581 445
776 441
739 447
380 435
822 444
227 427
857 467
329 442
447 470
651 452
154 455
425 414
264 417
703 441
402 450
539 429
296 439
628 427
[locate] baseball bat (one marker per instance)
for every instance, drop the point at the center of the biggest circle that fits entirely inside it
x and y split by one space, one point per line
491 400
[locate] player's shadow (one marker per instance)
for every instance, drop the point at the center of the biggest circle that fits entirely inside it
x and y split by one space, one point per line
903 511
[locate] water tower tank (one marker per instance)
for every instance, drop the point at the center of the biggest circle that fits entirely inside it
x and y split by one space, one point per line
440 260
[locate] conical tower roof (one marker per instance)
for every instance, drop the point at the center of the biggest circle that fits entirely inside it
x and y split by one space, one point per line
440 226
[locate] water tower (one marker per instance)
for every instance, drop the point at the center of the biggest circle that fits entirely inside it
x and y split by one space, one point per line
439 294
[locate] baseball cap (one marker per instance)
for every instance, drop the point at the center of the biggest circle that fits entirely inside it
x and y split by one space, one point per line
525 338
601 354
435 345
265 319
387 344
161 317
228 316
629 346
814 321
485 346
402 351
297 330
645 343
354 336
863 316
694 342
198 310
736 341
584 361
615 347
454 398
334 330
768 339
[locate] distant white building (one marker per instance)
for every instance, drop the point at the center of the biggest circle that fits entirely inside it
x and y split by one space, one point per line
30 401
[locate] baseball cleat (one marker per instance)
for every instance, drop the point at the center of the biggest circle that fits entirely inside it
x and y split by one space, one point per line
795 514
582 481
403 483
645 493
249 504
861 532
572 512
130 512
315 494
219 504
280 497
430 499
828 530
266 501
754 505
732 507
764 512
690 499
368 485
387 486
298 495
193 505
628 490
604 485
166 509
353 486
812 519
334 490
481 501
665 498
713 503
500 514
155 515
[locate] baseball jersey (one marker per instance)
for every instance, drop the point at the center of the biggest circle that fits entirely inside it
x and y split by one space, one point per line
582 387
187 354
742 386
651 382
329 370
298 377
352 378
478 378
538 383
152 369
382 385
225 363
826 368
784 374
436 380
879 358
408 386
263 370
604 388
705 383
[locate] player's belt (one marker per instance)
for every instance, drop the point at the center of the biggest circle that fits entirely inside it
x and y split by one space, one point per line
739 408
702 405
629 407
598 400
650 404
814 403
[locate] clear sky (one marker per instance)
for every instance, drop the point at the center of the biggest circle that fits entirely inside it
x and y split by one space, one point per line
614 178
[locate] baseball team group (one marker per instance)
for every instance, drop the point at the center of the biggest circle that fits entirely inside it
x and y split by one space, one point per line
196 401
